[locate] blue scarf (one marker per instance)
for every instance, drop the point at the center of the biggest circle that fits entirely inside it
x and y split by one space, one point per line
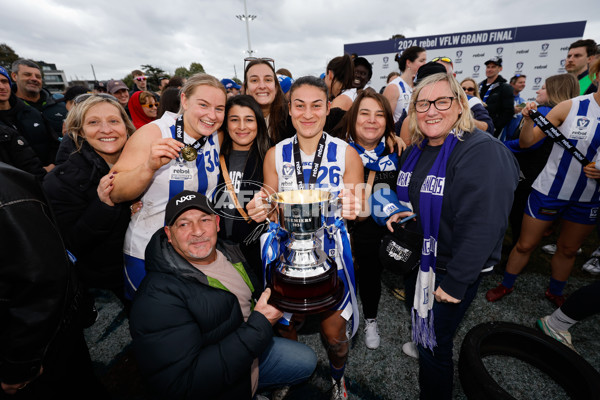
373 159
430 210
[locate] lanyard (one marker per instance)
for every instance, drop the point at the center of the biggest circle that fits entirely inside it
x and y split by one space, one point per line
553 133
316 163
197 145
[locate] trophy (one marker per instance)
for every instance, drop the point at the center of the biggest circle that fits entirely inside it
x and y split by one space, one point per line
304 278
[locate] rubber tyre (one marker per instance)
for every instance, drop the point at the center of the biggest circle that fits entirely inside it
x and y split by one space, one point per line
579 379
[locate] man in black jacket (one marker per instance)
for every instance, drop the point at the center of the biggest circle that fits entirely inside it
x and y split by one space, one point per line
43 353
28 122
197 329
497 94
27 76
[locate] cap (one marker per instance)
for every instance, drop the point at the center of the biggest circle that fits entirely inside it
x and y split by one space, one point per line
75 91
495 60
6 74
184 201
430 68
114 85
230 83
285 82
100 85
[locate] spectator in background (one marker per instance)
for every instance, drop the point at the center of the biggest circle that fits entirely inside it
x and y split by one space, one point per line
497 94
100 87
233 89
43 353
176 82
580 55
284 71
399 90
170 100
29 123
470 87
518 84
286 83
143 108
140 81
70 95
27 76
163 82
120 90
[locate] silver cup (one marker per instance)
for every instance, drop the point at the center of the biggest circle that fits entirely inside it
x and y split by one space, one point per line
304 278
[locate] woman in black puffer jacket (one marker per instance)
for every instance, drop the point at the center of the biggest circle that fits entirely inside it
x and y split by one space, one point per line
92 226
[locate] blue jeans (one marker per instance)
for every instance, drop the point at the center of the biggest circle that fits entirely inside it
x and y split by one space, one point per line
285 362
436 369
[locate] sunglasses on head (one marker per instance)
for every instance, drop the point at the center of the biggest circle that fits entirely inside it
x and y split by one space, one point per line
248 60
140 78
444 59
151 105
83 97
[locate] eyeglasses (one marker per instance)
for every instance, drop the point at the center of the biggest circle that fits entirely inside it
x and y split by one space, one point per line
140 78
469 89
151 105
248 60
441 104
444 59
83 97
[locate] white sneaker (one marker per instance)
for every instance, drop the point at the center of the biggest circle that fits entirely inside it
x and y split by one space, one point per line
551 249
596 253
339 392
592 266
372 338
410 349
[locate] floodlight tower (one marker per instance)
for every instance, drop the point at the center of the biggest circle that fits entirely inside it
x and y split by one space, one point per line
247 18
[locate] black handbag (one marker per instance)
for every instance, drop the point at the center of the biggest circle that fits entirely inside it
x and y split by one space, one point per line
400 251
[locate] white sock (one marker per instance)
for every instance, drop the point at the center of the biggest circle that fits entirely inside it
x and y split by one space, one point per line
559 321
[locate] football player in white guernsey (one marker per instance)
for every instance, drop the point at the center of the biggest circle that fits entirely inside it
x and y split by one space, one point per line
153 166
309 107
564 189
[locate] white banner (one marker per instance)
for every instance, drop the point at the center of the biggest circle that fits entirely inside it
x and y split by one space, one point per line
535 51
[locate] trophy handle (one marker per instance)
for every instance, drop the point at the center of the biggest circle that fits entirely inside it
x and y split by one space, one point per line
269 202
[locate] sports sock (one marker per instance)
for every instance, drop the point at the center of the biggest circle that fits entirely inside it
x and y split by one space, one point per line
337 373
559 321
508 281
556 287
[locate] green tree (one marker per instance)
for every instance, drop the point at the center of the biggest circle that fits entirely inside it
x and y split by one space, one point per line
128 80
236 80
7 56
182 72
196 68
153 74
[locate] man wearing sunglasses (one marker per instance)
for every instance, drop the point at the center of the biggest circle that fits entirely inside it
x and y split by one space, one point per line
497 94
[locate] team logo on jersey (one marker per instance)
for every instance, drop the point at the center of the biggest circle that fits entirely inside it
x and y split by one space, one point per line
287 170
499 50
581 129
594 213
520 66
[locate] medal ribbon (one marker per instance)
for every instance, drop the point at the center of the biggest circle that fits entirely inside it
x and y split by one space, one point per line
316 163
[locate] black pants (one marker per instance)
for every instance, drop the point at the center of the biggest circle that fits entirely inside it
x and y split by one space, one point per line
583 303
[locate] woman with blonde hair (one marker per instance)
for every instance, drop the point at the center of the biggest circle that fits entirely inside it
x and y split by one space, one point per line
175 153
91 224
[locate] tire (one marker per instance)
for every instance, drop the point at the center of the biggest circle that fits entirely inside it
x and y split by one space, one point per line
579 379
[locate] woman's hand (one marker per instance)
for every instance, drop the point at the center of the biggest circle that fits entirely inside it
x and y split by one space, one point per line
350 204
443 297
591 172
105 187
162 152
258 208
397 217
394 141
14 387
528 107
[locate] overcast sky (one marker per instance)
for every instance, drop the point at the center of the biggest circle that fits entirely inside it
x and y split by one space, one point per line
117 36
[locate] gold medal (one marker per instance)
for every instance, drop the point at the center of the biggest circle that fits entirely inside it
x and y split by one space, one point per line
189 153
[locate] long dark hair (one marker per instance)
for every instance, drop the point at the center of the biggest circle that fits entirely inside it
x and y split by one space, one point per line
352 114
343 71
278 111
262 142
